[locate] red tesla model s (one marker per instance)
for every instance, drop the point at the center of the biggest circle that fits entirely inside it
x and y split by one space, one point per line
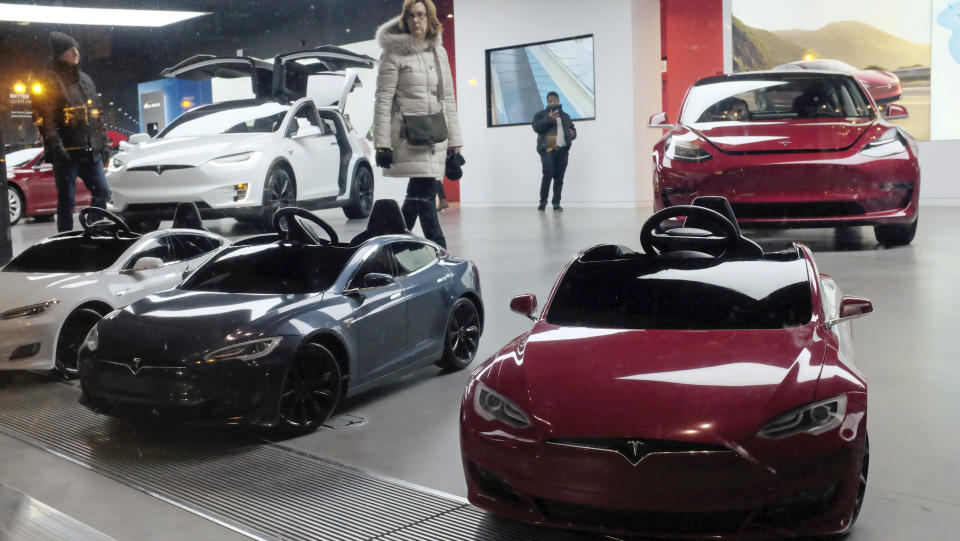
700 389
791 149
32 190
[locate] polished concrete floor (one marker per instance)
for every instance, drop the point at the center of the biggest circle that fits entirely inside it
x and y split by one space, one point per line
409 429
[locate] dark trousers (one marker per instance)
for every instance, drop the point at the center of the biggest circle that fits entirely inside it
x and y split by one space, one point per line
420 202
442 194
554 167
90 170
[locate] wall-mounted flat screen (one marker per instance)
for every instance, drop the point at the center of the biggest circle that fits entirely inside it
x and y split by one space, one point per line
519 78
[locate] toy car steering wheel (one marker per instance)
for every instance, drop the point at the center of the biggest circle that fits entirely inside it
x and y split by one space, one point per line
289 228
98 219
722 237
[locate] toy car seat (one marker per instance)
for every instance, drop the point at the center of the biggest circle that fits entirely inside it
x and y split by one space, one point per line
187 216
385 219
747 248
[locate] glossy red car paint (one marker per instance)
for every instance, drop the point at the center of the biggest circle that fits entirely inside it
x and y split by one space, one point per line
715 388
34 181
794 172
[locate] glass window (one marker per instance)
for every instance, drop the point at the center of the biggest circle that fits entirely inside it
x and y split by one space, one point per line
412 256
271 268
768 97
305 116
74 253
160 247
683 294
228 118
380 262
19 158
191 246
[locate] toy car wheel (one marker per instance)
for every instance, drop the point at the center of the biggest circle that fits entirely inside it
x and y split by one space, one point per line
361 195
896 234
862 485
72 335
15 204
278 191
462 336
310 390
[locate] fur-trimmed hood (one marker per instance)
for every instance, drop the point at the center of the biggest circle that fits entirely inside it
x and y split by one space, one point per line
393 39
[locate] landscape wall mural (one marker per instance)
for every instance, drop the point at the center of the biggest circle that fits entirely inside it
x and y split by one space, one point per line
886 44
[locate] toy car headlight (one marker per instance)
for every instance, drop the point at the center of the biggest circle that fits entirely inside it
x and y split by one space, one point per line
114 165
92 341
30 311
491 405
236 159
814 419
685 151
888 144
246 351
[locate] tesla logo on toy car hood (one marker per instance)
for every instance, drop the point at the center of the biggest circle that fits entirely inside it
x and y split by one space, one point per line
136 364
784 143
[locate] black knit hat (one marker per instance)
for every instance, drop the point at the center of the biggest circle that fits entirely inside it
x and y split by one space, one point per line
60 42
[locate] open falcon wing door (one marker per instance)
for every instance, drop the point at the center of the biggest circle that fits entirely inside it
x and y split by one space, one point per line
293 74
206 66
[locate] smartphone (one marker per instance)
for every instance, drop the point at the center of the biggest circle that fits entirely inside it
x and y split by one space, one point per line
557 107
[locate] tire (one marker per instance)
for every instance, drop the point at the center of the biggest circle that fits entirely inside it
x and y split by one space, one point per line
862 485
361 194
279 190
72 335
461 336
310 391
16 205
43 218
896 234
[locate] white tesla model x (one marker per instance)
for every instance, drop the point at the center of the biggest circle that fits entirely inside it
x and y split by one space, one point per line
247 158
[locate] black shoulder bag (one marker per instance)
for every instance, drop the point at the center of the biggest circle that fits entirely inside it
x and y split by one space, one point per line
429 129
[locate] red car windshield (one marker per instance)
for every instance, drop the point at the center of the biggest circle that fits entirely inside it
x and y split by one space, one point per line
769 97
689 294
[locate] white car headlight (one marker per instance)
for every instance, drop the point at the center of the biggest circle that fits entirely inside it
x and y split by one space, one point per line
814 419
685 151
92 341
888 144
114 165
492 405
246 351
30 311
236 159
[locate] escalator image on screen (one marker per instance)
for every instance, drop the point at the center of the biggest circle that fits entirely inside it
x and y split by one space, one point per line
519 78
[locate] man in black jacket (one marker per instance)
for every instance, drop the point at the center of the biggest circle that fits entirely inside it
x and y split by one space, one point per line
74 137
555 134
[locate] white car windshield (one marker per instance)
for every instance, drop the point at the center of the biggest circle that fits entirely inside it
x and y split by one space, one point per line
21 157
263 118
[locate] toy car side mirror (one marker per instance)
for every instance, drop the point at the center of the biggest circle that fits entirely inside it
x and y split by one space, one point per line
376 279
852 308
895 111
147 263
659 120
525 305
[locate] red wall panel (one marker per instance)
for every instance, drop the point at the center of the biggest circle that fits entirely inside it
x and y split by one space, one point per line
691 38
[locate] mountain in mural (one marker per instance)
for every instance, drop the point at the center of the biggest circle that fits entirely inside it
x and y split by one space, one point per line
756 49
860 45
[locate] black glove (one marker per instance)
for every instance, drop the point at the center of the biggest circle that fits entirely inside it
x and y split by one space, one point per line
384 157
58 155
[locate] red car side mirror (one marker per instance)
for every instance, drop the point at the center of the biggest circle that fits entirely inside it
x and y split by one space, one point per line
524 305
659 120
852 308
895 111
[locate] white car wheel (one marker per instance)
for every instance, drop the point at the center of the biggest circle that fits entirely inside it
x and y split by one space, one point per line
15 204
279 191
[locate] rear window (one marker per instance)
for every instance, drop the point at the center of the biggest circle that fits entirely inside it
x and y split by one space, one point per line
683 294
73 253
273 268
768 97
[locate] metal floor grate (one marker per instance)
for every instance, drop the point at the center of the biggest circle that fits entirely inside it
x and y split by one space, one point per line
262 490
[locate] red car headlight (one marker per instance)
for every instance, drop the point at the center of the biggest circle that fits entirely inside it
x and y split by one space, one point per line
814 419
888 144
685 151
491 405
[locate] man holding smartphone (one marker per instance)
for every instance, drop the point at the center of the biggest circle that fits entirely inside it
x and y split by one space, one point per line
555 133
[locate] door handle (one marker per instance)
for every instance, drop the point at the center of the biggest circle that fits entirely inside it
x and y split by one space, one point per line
396 296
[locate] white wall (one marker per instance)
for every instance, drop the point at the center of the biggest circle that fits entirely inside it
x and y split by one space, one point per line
503 167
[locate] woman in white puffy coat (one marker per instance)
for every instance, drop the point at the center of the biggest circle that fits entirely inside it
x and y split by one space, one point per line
413 66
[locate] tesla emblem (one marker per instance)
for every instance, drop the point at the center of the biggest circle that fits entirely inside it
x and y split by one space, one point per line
135 367
634 452
635 445
784 143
